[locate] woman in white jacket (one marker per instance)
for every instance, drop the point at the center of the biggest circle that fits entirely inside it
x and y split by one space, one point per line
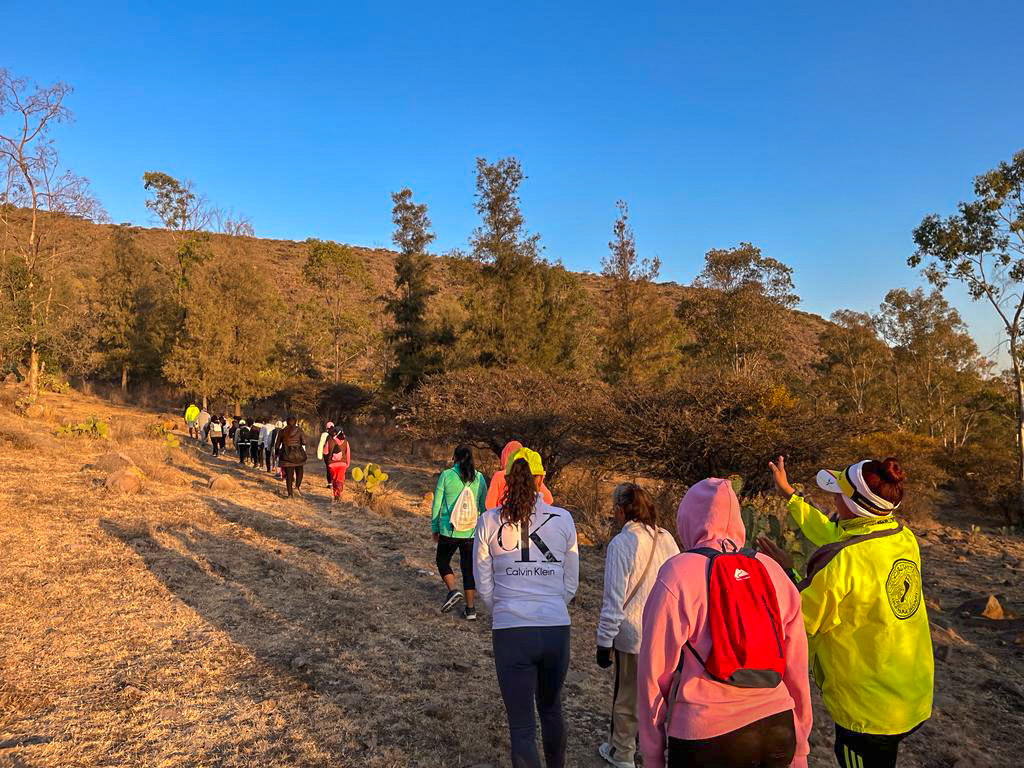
630 569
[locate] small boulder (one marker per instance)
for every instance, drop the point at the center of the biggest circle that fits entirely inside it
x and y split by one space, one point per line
111 462
993 610
35 411
125 481
223 483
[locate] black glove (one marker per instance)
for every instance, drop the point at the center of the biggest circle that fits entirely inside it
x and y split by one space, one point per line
604 657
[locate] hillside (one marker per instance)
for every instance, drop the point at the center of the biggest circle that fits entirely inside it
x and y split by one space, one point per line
183 626
281 262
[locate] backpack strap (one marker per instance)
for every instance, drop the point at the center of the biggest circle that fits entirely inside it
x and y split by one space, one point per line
647 568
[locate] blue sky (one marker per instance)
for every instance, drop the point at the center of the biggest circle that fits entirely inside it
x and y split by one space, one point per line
821 132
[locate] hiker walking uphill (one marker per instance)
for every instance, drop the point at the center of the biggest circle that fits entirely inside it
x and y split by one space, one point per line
338 457
526 563
242 441
218 434
320 450
458 499
870 643
722 674
291 442
634 557
496 491
192 420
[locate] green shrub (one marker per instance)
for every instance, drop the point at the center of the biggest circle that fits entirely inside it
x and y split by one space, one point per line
92 428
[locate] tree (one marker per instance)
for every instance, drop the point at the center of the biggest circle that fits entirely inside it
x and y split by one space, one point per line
853 362
338 328
128 310
230 337
744 294
936 368
523 310
188 216
639 337
34 250
982 246
410 337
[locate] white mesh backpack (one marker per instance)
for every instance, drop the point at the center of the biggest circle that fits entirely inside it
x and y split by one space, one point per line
464 513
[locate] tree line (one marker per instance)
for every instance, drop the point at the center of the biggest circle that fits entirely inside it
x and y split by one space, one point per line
500 340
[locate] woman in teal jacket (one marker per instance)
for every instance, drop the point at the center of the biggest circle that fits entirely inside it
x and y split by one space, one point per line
463 486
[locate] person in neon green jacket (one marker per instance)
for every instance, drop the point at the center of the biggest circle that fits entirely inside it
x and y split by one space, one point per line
450 486
869 639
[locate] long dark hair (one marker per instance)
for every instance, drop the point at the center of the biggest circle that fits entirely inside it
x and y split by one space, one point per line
464 463
520 493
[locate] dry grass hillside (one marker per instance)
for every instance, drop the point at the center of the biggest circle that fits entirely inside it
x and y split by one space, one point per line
183 626
281 262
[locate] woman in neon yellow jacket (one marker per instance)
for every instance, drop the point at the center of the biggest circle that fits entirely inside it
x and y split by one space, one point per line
869 640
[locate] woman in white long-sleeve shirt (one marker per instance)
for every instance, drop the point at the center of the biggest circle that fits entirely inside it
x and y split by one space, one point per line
526 568
630 570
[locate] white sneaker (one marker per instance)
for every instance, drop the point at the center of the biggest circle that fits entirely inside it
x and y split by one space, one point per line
605 751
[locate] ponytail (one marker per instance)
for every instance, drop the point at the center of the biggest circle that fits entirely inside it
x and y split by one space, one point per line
464 464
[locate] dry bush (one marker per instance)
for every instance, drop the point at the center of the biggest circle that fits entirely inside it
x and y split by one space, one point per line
15 436
586 494
159 463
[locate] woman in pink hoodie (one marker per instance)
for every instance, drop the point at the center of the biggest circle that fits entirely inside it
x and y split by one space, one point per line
689 717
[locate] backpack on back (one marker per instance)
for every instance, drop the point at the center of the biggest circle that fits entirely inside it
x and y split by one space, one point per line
747 648
464 513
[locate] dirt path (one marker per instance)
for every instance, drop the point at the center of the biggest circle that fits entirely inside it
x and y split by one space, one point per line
186 628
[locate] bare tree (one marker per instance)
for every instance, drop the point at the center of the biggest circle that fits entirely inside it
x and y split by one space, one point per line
39 196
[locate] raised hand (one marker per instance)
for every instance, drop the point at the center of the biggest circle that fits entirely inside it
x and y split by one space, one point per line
775 552
782 484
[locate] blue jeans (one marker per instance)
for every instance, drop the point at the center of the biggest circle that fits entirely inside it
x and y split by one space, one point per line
531 663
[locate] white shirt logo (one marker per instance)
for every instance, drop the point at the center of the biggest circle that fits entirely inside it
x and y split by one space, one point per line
739 574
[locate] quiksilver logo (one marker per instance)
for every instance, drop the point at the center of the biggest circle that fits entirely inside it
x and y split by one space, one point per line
739 574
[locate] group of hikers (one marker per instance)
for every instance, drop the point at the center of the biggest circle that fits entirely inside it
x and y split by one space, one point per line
274 446
711 638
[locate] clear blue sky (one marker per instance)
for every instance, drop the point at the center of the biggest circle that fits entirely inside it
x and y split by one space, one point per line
822 132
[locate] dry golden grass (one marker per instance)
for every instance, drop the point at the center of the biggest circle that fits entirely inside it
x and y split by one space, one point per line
183 628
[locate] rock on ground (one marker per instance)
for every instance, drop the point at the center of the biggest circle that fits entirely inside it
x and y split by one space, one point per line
223 483
112 462
125 481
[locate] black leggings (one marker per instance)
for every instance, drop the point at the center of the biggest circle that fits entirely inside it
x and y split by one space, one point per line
218 444
867 750
766 743
293 474
446 547
531 663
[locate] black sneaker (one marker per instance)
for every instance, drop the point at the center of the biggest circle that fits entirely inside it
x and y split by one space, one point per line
451 601
470 613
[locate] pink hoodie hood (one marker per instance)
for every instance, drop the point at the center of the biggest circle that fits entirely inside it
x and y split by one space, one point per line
676 616
509 451
710 514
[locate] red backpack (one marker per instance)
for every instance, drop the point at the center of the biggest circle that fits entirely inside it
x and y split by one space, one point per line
746 627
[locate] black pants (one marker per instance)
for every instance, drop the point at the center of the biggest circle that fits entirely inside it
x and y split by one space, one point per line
268 454
243 452
327 467
867 750
293 474
218 445
446 547
766 743
531 663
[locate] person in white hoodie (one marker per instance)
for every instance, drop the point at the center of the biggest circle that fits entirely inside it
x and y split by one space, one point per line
630 569
526 568
324 437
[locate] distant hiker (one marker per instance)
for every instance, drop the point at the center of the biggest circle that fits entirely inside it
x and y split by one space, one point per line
270 453
218 433
320 450
458 501
526 565
202 422
634 557
242 441
232 432
864 611
337 455
722 673
264 443
497 488
292 443
192 420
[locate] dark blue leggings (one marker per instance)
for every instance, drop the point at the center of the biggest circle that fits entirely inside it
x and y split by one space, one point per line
531 663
